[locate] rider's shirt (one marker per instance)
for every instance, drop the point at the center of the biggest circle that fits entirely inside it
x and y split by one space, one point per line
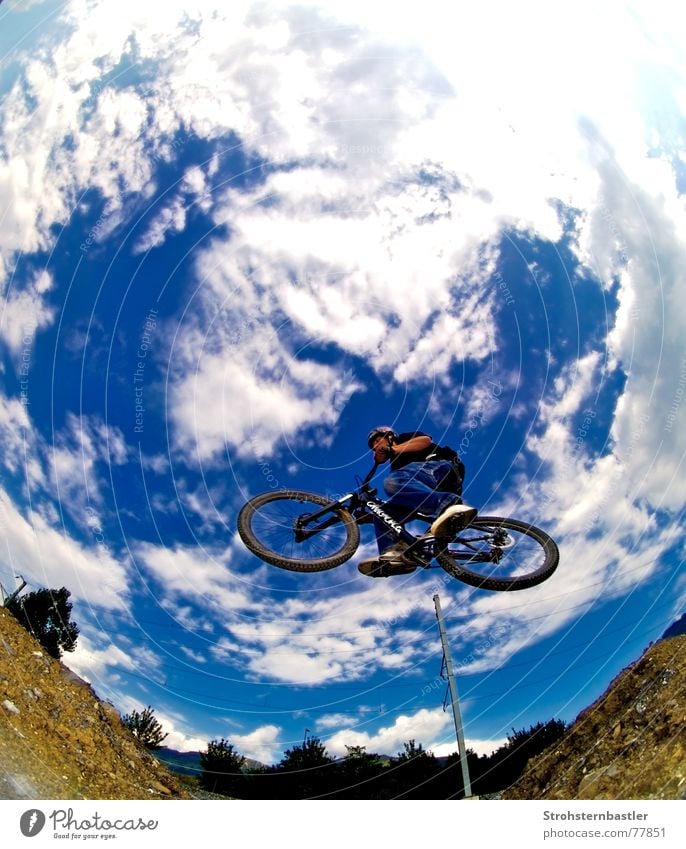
406 457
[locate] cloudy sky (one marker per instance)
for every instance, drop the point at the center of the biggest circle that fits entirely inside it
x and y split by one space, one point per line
236 236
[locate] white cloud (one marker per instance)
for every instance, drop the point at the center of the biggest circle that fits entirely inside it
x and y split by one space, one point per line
17 439
375 227
397 299
261 745
49 558
77 458
422 726
481 747
250 396
334 720
377 237
178 739
190 573
98 664
636 240
24 313
171 219
304 642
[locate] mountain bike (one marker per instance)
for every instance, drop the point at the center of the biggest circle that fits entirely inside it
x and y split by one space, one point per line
306 532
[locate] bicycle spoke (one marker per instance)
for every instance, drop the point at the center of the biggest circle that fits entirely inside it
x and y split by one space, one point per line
274 526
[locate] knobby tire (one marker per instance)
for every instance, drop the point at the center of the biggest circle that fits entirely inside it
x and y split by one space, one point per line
545 558
290 554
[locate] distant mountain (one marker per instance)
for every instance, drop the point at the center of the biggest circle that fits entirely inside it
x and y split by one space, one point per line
676 628
188 763
184 763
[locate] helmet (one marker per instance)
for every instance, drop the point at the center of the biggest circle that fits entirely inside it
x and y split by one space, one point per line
379 430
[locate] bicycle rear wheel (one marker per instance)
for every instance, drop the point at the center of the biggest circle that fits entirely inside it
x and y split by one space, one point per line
500 554
274 527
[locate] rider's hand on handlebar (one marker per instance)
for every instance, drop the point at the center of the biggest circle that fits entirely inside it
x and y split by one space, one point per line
382 449
382 453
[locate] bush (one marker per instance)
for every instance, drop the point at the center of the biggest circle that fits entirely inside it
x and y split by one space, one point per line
222 768
145 727
45 614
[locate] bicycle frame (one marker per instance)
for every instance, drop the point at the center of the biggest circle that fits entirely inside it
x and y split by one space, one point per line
362 502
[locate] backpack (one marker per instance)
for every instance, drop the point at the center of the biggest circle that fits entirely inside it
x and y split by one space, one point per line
452 482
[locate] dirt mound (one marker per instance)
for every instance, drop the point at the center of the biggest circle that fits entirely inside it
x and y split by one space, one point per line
58 740
630 744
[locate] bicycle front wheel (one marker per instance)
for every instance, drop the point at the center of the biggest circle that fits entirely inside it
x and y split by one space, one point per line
500 554
275 527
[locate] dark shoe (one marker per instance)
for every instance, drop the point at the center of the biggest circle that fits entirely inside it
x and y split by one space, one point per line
391 562
452 520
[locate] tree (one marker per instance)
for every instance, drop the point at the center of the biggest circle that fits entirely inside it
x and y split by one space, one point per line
493 773
312 753
45 614
145 727
412 751
359 774
417 768
306 771
222 768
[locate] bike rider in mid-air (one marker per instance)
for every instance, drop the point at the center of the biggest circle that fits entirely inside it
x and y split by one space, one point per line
414 484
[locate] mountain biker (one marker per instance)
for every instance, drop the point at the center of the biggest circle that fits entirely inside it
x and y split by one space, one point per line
417 474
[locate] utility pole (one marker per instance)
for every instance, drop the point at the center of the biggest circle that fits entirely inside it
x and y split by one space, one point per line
453 699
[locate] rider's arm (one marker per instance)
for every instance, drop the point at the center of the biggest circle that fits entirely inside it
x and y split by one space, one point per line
417 443
388 447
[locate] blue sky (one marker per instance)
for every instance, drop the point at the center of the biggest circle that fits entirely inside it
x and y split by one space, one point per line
233 241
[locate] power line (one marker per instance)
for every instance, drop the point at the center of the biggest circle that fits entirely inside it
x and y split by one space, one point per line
383 686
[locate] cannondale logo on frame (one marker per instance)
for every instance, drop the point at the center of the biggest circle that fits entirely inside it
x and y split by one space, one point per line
32 822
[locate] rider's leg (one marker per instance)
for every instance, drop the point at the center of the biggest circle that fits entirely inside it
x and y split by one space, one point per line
410 489
414 488
391 559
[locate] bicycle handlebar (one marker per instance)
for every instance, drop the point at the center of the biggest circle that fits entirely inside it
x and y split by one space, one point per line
371 474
